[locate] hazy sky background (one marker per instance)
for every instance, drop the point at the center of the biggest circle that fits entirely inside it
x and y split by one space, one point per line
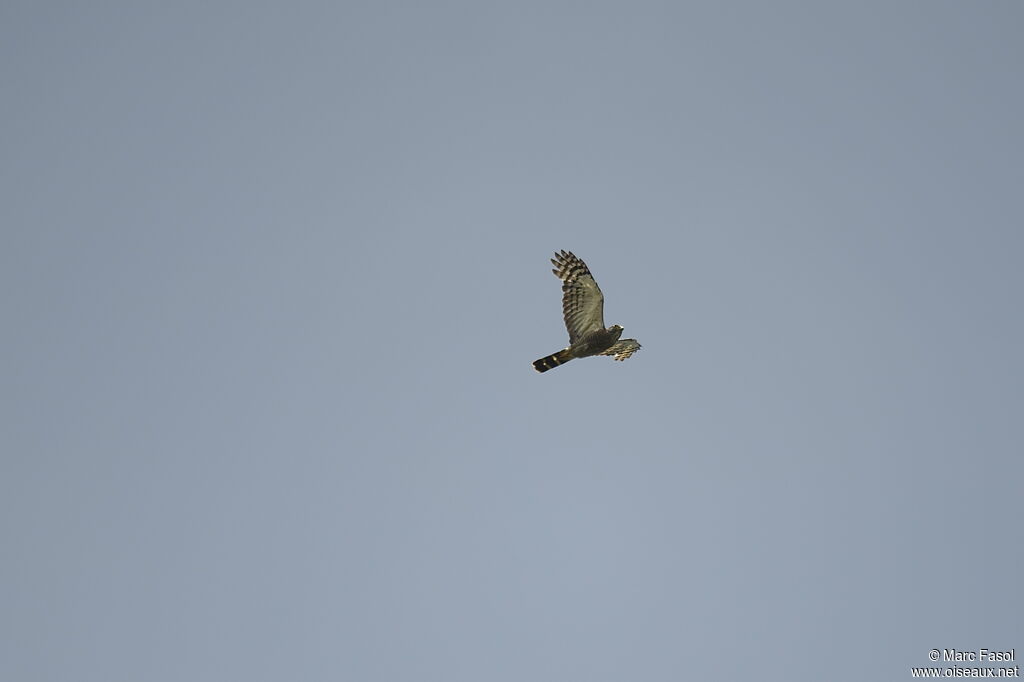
273 275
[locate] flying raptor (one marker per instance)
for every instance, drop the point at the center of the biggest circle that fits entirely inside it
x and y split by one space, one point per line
583 309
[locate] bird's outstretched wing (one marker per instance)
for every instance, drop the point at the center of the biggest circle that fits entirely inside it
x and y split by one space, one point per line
582 300
622 348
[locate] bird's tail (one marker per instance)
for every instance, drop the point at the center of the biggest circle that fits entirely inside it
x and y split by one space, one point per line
552 361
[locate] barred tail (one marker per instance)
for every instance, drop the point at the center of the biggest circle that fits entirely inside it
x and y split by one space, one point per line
552 361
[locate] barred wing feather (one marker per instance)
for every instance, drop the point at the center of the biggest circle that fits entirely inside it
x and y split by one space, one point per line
622 348
582 300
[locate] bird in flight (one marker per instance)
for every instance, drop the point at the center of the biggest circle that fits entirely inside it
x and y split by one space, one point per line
583 309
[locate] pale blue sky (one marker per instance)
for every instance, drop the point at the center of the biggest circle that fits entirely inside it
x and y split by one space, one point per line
273 275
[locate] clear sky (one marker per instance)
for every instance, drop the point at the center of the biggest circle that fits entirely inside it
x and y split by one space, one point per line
272 276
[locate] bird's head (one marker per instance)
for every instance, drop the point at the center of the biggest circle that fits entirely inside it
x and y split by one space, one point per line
616 329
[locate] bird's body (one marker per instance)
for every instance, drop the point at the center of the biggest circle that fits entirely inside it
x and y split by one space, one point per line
583 310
